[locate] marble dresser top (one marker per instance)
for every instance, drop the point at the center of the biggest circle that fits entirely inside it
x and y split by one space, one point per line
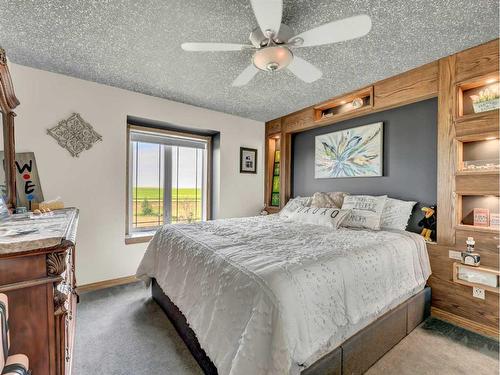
26 232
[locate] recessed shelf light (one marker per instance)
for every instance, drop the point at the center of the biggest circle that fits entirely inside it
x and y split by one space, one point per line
491 80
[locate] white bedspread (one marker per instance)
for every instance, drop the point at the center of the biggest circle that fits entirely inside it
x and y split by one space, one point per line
269 296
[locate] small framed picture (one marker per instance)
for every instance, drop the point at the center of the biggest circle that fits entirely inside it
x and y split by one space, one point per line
248 160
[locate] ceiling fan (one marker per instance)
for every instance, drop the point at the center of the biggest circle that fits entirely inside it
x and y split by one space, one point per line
272 42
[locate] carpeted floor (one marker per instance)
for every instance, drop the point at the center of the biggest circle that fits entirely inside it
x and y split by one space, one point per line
121 331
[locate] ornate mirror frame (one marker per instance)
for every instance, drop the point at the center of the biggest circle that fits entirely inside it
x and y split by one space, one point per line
8 102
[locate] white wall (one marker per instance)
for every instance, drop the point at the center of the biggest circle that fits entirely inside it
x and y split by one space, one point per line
95 181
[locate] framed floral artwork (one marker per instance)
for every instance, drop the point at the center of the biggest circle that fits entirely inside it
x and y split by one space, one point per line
355 152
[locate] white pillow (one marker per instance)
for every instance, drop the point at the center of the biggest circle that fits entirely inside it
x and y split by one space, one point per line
292 205
396 214
329 217
366 211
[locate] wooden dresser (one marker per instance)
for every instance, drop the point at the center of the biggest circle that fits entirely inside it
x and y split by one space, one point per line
37 274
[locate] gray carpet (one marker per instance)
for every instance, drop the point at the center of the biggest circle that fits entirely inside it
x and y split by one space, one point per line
122 331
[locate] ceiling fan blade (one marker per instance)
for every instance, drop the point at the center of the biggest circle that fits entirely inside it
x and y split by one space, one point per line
268 14
245 76
201 47
333 32
304 70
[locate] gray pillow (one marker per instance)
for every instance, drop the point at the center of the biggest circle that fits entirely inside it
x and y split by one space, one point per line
366 211
331 199
396 214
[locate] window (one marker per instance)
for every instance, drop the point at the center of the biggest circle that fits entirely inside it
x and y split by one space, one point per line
168 178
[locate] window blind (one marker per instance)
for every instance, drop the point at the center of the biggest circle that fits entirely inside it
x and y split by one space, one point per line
167 140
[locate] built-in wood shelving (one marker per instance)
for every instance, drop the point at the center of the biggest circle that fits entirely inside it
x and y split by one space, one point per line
464 110
344 106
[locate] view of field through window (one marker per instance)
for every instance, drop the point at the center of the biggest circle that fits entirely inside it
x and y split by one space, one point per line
185 169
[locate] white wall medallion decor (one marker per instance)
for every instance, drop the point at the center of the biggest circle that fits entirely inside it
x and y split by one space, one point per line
74 134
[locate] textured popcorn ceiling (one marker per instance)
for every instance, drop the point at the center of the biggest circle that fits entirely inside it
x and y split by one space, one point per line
135 45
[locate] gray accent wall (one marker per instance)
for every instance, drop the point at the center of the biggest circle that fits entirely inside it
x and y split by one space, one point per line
410 157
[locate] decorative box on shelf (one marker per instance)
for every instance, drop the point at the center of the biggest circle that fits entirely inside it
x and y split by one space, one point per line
481 217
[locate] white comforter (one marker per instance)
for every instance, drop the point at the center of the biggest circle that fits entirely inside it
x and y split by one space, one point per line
269 296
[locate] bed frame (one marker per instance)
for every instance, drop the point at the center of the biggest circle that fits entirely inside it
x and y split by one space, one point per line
354 356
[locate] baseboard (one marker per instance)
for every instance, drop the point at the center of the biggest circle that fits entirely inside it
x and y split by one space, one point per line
465 323
107 284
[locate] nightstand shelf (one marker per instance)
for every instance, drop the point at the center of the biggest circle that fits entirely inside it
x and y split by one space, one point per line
486 271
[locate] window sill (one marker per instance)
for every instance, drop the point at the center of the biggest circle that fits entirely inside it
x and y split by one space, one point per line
138 237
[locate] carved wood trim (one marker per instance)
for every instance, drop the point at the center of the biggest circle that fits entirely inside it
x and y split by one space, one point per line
56 263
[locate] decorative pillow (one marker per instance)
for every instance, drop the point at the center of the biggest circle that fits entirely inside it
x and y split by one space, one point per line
366 211
396 214
293 204
332 199
329 217
304 201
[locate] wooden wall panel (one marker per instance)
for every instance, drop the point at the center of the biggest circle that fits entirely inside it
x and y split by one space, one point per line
485 184
477 61
447 147
299 121
273 126
412 86
455 298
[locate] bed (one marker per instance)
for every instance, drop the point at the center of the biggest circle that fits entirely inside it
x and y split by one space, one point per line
265 295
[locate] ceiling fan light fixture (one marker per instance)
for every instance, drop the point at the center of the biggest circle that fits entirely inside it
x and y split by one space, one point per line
272 58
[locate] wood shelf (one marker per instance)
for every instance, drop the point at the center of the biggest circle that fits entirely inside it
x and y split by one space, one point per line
473 228
481 269
493 172
341 106
477 184
477 192
477 127
474 116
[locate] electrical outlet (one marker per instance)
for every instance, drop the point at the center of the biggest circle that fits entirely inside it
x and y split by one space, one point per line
477 292
457 255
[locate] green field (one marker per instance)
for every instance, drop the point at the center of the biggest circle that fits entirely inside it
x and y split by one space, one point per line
147 207
152 193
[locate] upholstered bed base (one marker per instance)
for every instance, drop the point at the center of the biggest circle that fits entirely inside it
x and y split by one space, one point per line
354 356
